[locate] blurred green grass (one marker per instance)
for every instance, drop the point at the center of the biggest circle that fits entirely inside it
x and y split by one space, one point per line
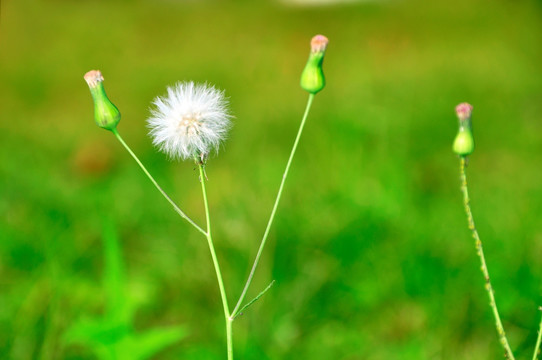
370 249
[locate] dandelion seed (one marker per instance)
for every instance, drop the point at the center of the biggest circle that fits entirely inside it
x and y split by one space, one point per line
190 122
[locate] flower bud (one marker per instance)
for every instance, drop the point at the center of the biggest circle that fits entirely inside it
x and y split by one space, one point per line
464 140
106 114
312 77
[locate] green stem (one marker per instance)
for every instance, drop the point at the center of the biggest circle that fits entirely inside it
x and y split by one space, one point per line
537 346
229 333
175 207
247 305
275 206
466 201
229 337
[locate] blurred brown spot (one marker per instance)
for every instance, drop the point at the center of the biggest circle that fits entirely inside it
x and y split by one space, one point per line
92 159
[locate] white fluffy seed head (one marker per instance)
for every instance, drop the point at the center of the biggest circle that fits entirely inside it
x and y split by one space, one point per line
190 121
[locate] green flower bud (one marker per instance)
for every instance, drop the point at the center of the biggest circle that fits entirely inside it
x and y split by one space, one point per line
464 140
106 114
312 77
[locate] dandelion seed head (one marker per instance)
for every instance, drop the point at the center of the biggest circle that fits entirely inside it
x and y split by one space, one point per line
190 121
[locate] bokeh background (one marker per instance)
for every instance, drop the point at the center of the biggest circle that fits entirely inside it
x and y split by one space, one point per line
370 250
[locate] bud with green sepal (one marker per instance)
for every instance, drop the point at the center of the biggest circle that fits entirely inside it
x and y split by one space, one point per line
312 77
464 140
106 114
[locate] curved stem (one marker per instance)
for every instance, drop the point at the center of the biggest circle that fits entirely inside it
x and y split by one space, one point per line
466 201
537 346
275 206
229 333
175 207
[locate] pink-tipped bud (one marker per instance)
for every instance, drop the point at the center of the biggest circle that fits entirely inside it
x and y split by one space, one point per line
312 77
463 111
93 77
106 114
319 43
464 140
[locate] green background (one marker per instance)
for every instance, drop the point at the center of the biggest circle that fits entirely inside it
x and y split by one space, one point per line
370 250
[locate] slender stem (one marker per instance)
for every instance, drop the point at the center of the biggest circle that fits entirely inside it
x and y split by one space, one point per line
272 217
537 346
247 305
229 337
466 200
175 207
229 333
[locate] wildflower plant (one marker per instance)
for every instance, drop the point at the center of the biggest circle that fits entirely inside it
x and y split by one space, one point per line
463 146
189 123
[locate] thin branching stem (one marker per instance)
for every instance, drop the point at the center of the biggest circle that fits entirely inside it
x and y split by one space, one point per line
275 206
539 338
166 196
229 332
247 305
489 289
